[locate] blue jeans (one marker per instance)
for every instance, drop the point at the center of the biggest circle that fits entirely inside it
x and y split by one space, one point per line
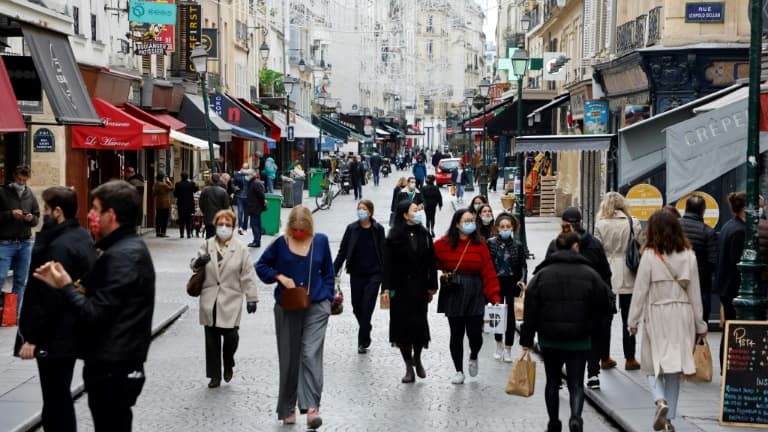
256 228
459 191
16 256
242 216
270 184
358 187
376 174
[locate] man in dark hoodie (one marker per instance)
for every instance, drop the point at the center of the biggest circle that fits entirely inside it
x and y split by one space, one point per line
563 304
591 249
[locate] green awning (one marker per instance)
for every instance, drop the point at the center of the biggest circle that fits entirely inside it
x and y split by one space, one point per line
339 130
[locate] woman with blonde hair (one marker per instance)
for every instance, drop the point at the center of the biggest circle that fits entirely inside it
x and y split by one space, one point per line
229 276
613 228
401 183
300 258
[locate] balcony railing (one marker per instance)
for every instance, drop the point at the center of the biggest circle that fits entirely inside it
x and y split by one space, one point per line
625 38
640 24
654 25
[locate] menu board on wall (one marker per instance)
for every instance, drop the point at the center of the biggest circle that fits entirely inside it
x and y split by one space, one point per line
744 390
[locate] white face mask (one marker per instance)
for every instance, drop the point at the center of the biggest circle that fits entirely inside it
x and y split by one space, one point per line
223 232
487 219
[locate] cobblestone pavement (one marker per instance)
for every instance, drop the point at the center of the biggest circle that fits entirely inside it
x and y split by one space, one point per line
361 393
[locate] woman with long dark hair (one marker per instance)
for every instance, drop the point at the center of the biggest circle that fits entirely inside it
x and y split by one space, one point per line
409 281
485 225
464 253
476 203
667 300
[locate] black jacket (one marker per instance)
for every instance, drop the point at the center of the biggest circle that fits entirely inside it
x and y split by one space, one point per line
349 243
255 202
418 198
376 163
432 196
46 319
564 300
184 191
730 247
10 227
591 249
212 199
356 172
703 240
115 313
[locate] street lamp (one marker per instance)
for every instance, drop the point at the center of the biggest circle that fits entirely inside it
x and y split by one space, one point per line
288 83
525 22
520 68
264 52
469 97
484 87
302 65
199 57
321 103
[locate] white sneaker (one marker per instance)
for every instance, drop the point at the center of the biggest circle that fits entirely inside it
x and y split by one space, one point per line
499 351
473 368
458 378
508 355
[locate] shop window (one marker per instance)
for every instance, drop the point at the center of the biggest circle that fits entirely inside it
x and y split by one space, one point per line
93 27
76 20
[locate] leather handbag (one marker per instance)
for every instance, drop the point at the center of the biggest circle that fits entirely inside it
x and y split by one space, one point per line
632 255
195 282
293 299
448 279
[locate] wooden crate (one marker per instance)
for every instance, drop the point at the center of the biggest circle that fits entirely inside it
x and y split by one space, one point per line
548 202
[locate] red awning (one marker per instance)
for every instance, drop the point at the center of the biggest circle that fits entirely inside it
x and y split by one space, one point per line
122 131
11 120
160 119
274 129
477 122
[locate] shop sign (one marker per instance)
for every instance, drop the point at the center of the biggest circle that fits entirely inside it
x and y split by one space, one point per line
189 31
150 48
712 212
706 13
595 117
210 42
644 200
44 141
152 12
157 33
632 114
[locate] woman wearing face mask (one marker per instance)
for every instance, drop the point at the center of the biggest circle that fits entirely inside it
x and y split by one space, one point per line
402 182
508 257
362 248
463 252
409 281
476 203
484 222
300 258
229 276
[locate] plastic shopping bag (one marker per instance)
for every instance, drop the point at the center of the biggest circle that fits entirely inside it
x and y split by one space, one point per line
495 318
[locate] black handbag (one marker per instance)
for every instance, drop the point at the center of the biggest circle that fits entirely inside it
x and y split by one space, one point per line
632 255
449 279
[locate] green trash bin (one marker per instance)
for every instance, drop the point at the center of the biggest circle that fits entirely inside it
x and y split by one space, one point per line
270 219
315 178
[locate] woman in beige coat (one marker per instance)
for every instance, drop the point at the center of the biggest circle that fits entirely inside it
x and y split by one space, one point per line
667 300
613 231
229 275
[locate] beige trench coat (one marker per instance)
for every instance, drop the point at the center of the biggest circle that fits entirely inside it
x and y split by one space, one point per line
613 233
226 283
671 315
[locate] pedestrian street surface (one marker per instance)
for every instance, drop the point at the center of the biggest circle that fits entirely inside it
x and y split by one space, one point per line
361 393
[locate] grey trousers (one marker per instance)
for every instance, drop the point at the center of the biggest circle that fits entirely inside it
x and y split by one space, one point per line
300 341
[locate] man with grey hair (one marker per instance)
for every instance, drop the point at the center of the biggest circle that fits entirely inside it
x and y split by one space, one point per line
212 199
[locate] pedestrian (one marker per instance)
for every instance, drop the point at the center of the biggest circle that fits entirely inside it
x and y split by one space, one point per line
376 163
241 180
591 249
493 175
226 181
184 191
401 183
669 208
229 276
667 300
357 176
419 171
162 191
463 251
115 311
256 204
137 180
410 281
459 179
477 203
436 158
300 258
411 193
484 221
19 213
730 247
612 229
703 241
47 323
212 199
509 261
270 172
432 200
362 248
563 304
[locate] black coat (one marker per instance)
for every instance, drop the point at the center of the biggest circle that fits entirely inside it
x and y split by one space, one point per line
564 300
10 227
349 244
730 247
115 313
432 196
591 249
184 191
212 199
255 203
375 163
46 319
418 198
703 241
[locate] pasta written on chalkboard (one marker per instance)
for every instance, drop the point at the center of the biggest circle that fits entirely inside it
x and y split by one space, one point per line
744 390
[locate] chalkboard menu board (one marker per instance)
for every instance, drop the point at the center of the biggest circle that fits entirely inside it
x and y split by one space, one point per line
744 391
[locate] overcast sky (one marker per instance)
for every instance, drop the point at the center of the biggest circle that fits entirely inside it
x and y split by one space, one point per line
491 15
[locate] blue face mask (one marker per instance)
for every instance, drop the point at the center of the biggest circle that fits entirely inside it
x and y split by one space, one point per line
420 217
468 227
506 235
362 215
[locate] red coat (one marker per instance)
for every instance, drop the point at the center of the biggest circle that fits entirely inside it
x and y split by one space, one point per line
477 260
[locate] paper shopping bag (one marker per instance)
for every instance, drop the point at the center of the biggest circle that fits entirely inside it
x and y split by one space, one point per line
522 376
702 358
384 302
519 304
9 310
495 318
453 190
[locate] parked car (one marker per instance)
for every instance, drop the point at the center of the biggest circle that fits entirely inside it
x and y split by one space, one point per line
444 170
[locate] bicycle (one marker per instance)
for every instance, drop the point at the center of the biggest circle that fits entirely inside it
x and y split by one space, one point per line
330 190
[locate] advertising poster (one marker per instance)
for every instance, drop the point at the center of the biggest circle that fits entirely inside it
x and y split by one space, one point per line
635 113
152 38
595 117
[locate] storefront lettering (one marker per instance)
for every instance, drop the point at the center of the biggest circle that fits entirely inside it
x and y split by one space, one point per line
61 77
724 125
109 122
91 140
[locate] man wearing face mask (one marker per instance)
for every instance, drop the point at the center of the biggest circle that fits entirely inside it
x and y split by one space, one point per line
47 323
410 193
19 212
113 306
362 248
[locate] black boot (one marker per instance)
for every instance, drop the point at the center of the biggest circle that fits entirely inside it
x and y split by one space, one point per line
409 377
554 426
576 424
